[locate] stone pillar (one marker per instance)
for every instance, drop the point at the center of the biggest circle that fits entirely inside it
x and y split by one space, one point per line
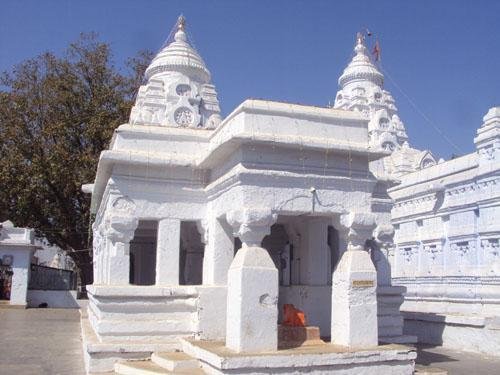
98 251
219 251
120 231
384 235
316 255
167 252
105 260
20 277
252 290
354 288
295 239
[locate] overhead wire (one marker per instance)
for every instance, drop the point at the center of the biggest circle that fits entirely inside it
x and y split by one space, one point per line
420 112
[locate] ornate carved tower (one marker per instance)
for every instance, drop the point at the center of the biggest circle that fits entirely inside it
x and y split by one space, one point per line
178 91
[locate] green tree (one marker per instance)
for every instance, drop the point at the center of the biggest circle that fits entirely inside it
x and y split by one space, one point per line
56 115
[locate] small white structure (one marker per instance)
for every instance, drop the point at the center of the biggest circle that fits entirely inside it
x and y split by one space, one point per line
16 250
447 246
287 188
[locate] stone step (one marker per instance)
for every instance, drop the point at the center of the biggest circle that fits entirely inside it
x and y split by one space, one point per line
175 305
120 316
390 320
398 339
175 361
140 327
145 367
390 331
424 370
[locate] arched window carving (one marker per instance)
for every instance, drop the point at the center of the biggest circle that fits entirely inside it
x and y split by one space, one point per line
388 146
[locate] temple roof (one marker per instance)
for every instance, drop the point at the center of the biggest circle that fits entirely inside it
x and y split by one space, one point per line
361 67
179 56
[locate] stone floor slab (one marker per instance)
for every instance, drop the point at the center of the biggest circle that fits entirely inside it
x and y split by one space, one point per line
40 341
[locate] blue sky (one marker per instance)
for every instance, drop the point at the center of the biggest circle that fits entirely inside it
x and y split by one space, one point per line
444 55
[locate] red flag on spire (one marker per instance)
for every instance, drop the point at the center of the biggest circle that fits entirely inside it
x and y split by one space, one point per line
376 51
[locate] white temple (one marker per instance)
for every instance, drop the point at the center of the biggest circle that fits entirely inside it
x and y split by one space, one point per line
447 246
445 218
16 251
205 227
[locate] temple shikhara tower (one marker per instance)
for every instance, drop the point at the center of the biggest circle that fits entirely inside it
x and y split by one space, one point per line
362 90
208 228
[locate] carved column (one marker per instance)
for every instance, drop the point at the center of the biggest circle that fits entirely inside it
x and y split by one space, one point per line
354 287
119 233
384 235
252 290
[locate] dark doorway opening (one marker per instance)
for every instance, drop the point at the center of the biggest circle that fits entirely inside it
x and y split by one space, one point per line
191 254
143 253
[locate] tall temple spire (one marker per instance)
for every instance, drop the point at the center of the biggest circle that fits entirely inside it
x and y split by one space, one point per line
362 90
178 91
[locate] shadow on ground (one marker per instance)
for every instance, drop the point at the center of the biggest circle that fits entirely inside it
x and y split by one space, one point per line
427 357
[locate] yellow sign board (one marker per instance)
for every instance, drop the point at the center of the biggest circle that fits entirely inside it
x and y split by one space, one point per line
362 283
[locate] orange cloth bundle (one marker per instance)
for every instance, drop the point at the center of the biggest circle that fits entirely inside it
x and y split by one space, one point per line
292 316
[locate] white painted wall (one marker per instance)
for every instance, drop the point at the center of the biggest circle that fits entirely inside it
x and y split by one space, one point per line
21 269
447 250
447 245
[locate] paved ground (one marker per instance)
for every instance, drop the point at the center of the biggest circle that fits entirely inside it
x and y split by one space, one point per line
40 341
458 363
47 341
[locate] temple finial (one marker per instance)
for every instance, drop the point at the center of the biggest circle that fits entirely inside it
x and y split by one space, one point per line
181 23
180 35
360 39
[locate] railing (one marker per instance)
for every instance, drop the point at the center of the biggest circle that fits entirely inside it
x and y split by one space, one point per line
47 278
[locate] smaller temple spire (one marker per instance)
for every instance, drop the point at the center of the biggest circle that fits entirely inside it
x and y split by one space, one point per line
362 89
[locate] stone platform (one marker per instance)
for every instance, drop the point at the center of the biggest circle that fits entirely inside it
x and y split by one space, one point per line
466 332
132 322
100 357
322 358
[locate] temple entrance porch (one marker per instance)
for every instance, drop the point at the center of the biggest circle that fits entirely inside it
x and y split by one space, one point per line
305 250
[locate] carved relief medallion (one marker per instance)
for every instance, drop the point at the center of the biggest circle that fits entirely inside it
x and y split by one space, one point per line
183 116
